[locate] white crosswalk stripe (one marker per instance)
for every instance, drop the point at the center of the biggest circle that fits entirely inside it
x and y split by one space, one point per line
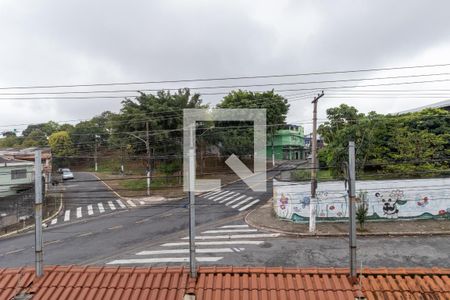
210 194
162 260
221 194
121 203
235 226
230 230
90 210
79 214
234 236
234 200
230 196
198 250
248 205
67 215
227 239
111 205
242 202
100 207
131 203
54 221
215 243
142 202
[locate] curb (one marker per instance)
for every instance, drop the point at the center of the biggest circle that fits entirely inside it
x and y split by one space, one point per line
341 234
32 226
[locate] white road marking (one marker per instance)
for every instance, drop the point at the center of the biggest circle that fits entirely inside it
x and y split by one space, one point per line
121 203
111 205
85 234
100 207
234 236
142 202
224 195
234 200
242 202
131 203
52 242
230 230
15 251
228 198
180 251
54 221
248 205
67 215
218 243
115 227
79 215
211 194
90 210
161 260
235 226
221 194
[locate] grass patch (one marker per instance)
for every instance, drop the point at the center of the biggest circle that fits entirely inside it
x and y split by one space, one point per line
305 175
141 184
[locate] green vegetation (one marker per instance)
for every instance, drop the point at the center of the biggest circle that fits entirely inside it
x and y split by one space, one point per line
407 145
305 175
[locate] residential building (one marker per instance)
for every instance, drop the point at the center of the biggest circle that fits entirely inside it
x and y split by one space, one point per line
288 143
15 176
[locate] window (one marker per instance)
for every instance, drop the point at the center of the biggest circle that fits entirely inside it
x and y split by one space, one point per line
18 174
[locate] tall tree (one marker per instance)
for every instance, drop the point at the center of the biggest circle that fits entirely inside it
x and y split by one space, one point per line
239 138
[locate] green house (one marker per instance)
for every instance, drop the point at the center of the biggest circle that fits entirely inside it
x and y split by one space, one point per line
288 143
15 176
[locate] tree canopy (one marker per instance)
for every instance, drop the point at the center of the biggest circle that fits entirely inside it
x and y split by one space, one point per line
408 144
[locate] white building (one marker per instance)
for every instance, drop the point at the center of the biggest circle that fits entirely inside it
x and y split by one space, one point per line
15 175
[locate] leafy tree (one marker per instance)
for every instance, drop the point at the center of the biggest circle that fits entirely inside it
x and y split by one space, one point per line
61 144
410 144
240 140
48 128
36 138
164 114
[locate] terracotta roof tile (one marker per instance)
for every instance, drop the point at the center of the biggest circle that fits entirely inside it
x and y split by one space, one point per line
223 283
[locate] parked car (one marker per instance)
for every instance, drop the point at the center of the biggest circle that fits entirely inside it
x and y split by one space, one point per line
66 174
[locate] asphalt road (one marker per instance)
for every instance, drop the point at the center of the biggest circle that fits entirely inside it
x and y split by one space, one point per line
118 237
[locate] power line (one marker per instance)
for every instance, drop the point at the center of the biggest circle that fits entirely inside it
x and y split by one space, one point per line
225 86
226 78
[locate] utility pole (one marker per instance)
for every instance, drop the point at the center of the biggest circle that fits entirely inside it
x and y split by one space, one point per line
95 153
39 257
192 262
312 204
147 146
273 152
352 207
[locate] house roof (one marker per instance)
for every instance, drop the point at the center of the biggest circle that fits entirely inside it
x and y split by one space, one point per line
11 160
69 282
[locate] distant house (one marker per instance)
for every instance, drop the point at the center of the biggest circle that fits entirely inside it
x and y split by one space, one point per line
15 176
288 143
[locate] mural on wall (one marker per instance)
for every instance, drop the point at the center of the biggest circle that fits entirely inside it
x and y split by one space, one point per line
385 199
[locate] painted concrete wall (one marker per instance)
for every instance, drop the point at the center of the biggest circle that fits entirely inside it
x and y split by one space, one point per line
386 199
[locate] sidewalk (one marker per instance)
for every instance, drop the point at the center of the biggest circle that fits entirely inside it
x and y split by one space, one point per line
264 218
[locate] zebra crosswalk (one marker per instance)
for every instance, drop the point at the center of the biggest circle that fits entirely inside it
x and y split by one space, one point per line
232 199
212 246
76 213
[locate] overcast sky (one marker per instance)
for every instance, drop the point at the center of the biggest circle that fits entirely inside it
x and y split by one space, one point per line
77 42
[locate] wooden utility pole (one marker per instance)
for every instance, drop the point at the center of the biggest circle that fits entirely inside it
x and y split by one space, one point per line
312 205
